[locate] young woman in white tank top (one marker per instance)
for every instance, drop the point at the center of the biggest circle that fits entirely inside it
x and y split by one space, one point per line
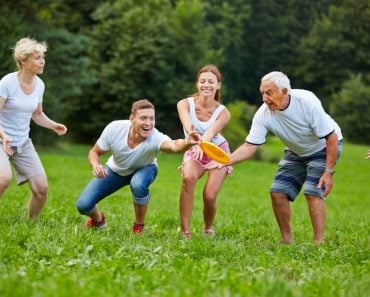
204 113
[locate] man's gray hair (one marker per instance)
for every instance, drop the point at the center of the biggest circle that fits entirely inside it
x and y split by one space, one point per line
280 79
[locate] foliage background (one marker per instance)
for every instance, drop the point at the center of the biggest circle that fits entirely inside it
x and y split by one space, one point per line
103 55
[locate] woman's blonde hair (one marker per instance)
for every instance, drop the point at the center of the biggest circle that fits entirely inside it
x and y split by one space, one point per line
26 46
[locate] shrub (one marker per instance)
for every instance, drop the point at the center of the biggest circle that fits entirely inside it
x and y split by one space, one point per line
351 108
241 119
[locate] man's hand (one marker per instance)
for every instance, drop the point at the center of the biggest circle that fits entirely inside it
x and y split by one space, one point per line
99 171
197 152
194 138
326 180
214 165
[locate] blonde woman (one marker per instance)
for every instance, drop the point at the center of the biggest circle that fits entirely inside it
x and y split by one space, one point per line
21 96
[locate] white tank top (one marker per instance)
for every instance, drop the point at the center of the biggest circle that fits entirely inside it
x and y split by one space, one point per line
201 126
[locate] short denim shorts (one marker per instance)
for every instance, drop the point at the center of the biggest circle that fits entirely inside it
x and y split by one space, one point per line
295 171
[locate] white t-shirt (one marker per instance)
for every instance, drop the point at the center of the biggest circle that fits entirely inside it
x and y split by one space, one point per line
17 111
302 126
201 126
125 160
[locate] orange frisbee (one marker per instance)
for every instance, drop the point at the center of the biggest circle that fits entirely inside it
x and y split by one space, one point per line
214 152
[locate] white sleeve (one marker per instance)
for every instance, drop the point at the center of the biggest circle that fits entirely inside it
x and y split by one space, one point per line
258 131
42 90
321 123
160 137
3 88
105 139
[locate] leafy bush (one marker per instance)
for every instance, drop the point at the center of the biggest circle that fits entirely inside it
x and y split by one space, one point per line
241 119
351 109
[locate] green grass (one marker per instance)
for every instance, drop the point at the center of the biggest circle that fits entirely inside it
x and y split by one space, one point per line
56 256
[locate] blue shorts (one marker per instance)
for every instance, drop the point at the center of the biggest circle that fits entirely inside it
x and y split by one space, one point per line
295 171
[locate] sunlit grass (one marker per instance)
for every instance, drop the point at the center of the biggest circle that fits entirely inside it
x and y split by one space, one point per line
56 256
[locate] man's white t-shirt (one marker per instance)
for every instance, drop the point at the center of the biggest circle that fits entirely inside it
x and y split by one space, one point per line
302 126
125 160
17 111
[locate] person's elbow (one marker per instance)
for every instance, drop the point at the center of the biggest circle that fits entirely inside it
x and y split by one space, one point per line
332 139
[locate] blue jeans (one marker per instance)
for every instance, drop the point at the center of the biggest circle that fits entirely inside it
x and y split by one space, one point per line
99 188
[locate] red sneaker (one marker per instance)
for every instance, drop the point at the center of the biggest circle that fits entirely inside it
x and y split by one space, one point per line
99 225
138 229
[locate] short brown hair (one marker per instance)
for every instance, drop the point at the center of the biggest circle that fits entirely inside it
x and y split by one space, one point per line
141 104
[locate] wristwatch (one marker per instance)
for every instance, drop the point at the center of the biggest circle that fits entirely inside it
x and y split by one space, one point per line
331 171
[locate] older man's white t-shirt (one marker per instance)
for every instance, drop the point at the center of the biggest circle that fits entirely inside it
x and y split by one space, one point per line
302 126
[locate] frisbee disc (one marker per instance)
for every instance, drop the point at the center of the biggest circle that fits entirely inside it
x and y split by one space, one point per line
214 152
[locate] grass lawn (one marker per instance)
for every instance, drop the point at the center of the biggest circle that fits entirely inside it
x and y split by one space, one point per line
56 256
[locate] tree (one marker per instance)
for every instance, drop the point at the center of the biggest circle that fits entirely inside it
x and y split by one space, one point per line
143 49
273 33
241 119
228 20
9 32
351 108
66 68
68 74
337 45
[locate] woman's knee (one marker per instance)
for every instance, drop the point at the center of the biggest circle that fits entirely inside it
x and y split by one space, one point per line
4 182
39 187
189 181
5 179
209 197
